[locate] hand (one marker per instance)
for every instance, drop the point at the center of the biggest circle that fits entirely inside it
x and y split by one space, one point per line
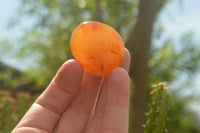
67 104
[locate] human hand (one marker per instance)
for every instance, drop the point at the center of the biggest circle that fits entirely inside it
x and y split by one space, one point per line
68 103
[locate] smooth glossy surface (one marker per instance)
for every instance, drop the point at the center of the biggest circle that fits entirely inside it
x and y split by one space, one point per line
97 47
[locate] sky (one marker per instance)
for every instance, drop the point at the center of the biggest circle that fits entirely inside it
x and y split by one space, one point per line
8 9
180 17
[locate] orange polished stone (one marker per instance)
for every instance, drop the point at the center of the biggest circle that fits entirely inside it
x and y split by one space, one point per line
97 47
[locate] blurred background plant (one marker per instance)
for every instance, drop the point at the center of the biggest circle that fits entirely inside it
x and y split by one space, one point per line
158 109
30 57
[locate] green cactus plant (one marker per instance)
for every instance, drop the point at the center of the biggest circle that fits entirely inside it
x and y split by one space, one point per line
157 115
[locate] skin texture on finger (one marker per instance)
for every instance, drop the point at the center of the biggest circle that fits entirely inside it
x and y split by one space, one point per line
113 107
29 130
76 117
46 111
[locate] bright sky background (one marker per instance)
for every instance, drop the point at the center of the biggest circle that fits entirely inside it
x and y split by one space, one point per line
178 17
7 10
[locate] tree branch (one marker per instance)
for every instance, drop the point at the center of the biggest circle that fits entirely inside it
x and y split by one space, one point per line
139 43
99 16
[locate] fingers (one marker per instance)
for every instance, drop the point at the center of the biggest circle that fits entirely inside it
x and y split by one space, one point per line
127 58
55 99
113 107
63 87
75 92
75 119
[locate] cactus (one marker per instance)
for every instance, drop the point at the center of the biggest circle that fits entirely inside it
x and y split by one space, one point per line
157 114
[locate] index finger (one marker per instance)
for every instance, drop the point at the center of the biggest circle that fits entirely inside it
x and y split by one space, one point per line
54 100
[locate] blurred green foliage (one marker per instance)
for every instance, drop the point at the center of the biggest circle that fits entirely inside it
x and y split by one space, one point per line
181 117
12 109
46 45
170 59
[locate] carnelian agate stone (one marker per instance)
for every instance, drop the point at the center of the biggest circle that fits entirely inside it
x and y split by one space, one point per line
97 47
